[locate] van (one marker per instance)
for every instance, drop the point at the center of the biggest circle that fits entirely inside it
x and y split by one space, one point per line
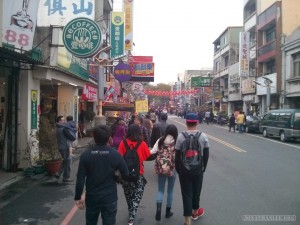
282 123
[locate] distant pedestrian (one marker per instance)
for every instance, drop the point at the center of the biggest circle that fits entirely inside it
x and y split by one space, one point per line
63 148
159 129
207 117
138 120
118 132
191 146
96 171
153 117
165 168
73 129
240 120
211 117
232 123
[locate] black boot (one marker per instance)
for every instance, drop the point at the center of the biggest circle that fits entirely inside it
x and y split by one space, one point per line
158 211
168 212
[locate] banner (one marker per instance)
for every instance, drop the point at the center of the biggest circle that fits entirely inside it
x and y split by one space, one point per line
128 9
60 12
142 68
117 35
34 109
19 22
171 93
244 54
89 93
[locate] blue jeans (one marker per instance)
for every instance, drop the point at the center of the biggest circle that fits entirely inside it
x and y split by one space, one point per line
241 128
161 188
108 213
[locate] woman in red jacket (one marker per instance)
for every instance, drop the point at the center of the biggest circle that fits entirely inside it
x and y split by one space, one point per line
134 189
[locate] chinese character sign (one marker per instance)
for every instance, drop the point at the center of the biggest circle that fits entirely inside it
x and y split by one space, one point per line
19 21
117 35
89 93
244 54
60 12
201 81
142 68
141 106
122 72
34 110
128 8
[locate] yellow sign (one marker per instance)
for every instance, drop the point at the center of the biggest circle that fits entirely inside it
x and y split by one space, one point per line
128 8
141 106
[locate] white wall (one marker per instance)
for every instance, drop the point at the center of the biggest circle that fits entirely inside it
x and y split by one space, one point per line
66 97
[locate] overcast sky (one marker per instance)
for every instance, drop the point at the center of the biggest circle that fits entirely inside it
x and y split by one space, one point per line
179 33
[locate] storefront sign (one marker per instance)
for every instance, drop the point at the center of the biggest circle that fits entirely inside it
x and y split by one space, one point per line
60 12
117 35
89 93
128 6
19 21
82 37
34 109
201 82
142 68
244 54
122 72
141 106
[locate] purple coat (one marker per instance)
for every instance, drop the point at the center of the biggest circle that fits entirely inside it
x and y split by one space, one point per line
119 135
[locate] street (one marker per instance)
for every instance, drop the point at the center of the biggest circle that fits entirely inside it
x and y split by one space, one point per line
247 175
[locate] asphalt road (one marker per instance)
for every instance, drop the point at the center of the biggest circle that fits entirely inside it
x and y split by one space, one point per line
248 177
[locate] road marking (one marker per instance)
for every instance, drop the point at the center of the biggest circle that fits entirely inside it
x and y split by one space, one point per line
72 212
219 140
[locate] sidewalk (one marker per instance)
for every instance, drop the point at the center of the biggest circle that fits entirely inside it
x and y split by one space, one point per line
9 178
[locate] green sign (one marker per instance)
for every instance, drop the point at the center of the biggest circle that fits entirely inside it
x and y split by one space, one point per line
82 37
34 110
201 81
117 35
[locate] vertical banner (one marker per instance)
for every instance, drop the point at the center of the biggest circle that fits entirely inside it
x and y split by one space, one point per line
128 9
244 54
19 21
117 35
34 109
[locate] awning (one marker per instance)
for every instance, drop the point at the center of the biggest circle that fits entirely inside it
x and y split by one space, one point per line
9 55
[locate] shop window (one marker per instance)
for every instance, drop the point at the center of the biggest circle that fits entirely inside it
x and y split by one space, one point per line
270 67
296 65
270 34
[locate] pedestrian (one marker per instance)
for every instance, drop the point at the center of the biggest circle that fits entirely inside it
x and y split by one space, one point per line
211 117
191 180
147 123
165 169
232 123
118 132
159 129
138 120
96 170
73 129
240 122
207 117
63 148
153 117
134 189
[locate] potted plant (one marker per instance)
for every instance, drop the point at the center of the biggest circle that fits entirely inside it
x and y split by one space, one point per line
48 150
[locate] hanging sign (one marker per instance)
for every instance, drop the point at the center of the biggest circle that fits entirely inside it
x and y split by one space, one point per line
122 72
34 109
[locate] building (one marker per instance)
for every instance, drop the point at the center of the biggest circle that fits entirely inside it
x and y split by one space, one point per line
226 54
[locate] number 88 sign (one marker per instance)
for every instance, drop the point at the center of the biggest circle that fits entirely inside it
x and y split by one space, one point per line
19 40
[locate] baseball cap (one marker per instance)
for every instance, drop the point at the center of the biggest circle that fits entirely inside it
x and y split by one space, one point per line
191 117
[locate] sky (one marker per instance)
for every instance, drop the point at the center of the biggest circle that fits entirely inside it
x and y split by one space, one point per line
179 33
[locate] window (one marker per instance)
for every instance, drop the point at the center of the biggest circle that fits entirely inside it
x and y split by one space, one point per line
226 60
270 34
296 65
270 66
284 117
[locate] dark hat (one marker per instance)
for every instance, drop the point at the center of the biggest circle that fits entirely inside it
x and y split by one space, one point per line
191 117
164 116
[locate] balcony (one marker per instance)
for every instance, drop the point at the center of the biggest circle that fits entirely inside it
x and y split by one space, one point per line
267 51
266 17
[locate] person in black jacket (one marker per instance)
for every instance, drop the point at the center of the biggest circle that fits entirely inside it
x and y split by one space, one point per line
159 129
96 171
232 123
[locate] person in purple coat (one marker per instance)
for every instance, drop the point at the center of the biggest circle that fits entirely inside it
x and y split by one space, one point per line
119 132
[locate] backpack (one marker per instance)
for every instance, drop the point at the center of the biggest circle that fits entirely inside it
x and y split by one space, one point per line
191 154
132 161
68 134
165 160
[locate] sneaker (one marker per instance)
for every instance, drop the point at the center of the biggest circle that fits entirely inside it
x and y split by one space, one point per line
68 180
57 176
130 222
199 213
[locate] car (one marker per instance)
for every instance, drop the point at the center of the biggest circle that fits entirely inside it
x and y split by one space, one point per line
252 124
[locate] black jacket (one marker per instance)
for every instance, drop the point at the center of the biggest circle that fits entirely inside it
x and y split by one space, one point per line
158 130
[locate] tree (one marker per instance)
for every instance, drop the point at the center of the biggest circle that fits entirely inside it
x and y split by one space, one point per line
159 100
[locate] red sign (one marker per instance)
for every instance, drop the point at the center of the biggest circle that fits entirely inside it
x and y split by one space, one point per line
89 93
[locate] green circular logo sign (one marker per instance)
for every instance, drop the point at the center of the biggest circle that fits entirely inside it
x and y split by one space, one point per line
82 37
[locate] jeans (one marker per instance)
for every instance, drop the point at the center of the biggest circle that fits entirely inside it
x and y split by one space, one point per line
65 167
191 186
241 128
108 213
161 188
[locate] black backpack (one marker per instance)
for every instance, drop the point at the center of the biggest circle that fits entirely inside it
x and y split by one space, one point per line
132 161
68 134
191 154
